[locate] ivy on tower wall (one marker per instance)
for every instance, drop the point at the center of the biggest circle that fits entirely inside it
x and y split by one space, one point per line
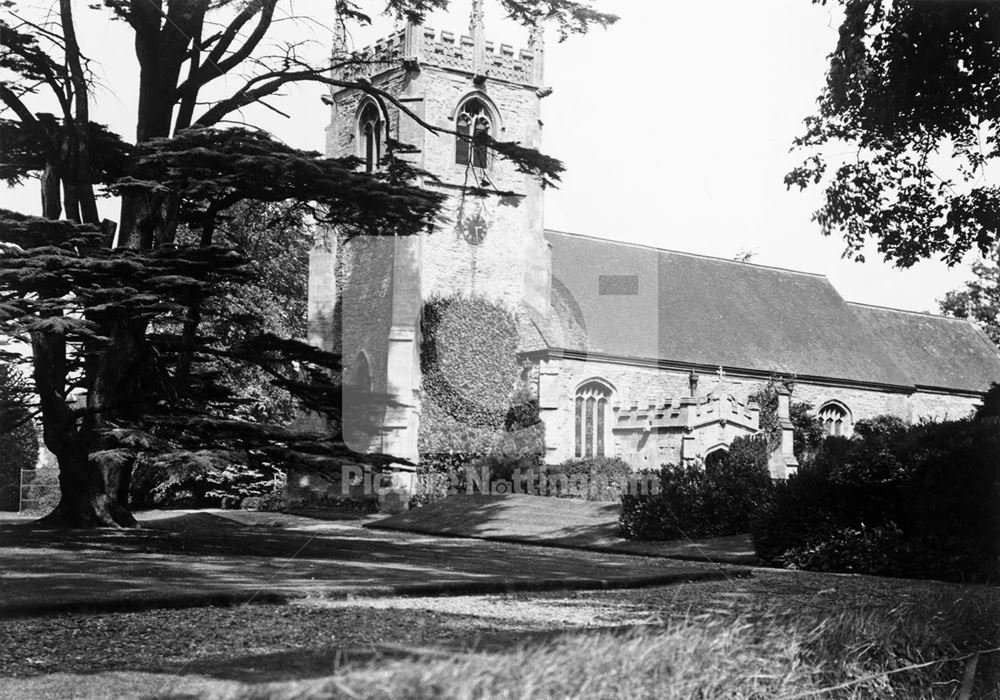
468 361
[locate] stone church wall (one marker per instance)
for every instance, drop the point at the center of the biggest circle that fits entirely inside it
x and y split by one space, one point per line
366 305
558 380
862 403
940 407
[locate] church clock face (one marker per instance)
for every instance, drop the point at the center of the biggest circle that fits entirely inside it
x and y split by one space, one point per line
474 228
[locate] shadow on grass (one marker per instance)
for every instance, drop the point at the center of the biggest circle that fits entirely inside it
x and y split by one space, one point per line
205 554
556 522
326 660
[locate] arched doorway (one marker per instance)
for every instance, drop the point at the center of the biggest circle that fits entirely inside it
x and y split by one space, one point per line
716 457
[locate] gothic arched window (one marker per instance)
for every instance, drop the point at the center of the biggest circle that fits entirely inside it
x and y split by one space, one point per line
370 129
474 127
360 376
835 418
592 401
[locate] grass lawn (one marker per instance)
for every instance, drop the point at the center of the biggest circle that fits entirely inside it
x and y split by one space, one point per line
561 522
779 634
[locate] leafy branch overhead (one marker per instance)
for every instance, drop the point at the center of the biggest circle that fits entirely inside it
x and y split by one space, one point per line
570 16
210 170
905 141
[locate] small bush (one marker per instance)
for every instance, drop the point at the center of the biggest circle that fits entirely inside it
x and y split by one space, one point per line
700 501
437 474
606 478
273 502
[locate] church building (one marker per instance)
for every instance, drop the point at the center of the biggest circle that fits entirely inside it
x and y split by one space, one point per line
631 351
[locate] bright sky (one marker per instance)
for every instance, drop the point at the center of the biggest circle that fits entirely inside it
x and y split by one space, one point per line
675 126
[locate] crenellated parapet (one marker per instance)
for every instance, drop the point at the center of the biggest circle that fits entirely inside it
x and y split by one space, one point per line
425 46
686 413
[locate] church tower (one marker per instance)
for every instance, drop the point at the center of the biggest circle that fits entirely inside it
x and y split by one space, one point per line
366 297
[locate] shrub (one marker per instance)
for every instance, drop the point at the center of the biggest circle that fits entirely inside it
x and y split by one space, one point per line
18 435
737 484
699 501
273 502
523 412
991 403
437 474
679 510
607 478
920 501
878 550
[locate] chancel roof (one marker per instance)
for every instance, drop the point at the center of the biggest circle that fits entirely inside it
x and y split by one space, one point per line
935 351
632 301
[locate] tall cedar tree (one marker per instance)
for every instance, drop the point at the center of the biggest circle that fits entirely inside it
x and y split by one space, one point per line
121 363
913 95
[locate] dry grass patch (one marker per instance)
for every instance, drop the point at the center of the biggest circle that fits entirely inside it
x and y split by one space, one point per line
765 653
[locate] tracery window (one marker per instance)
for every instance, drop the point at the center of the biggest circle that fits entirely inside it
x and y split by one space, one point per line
592 401
835 418
370 129
474 126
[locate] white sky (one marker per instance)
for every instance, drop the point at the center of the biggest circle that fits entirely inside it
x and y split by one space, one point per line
675 126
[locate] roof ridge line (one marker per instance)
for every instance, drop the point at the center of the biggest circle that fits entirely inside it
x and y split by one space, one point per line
907 311
683 252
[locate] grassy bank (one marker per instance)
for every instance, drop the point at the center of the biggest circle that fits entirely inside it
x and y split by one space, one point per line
761 653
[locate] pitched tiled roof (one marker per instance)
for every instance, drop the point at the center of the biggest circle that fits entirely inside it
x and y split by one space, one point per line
935 351
635 301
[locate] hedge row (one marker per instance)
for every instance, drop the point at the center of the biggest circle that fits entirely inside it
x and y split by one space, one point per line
920 501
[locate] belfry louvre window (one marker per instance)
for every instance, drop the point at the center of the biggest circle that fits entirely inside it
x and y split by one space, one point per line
835 420
370 125
474 127
592 401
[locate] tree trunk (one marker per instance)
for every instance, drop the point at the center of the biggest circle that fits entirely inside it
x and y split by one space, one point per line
51 200
93 494
93 486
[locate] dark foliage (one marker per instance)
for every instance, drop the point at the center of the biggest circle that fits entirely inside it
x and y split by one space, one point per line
702 500
272 502
18 436
210 170
991 403
980 300
25 155
911 84
523 411
607 478
920 501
